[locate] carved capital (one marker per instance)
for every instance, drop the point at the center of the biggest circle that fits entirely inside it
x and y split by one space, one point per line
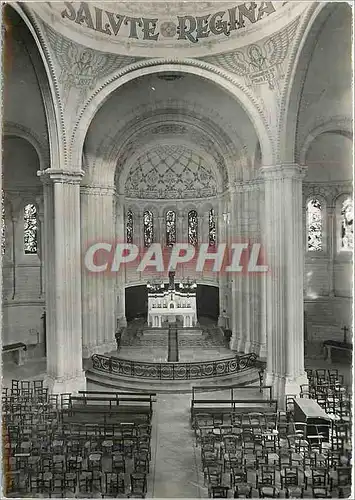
285 171
97 190
51 175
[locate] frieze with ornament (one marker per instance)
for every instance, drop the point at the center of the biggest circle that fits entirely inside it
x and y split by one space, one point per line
183 27
259 63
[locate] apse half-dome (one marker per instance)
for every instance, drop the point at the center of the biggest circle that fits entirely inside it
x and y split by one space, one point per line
170 172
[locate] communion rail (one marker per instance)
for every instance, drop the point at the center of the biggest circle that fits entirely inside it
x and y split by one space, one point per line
174 371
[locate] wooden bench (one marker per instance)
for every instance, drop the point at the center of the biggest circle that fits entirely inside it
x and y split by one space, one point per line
330 345
132 395
17 349
121 408
228 406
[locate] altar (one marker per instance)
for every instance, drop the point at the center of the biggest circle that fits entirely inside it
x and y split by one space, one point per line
172 302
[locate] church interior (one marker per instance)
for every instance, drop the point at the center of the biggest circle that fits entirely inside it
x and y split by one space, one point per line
177 250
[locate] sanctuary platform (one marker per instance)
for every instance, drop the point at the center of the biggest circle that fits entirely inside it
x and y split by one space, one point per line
204 342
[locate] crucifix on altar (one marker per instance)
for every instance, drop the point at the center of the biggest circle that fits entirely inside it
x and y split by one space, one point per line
345 330
171 280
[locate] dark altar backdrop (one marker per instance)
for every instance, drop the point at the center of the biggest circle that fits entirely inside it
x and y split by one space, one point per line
136 302
207 298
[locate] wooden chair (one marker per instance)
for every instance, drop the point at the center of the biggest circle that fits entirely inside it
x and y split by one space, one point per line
138 485
85 482
141 462
243 490
238 476
70 481
321 492
114 485
290 483
269 492
213 475
218 491
265 476
341 477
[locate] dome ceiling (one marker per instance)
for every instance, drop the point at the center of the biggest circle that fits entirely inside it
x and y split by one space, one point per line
166 29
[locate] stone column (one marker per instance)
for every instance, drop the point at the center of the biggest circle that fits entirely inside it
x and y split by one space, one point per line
62 257
121 275
251 281
99 303
235 231
284 287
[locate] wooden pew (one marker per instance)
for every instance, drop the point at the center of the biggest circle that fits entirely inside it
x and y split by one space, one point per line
330 345
120 408
18 348
134 395
228 406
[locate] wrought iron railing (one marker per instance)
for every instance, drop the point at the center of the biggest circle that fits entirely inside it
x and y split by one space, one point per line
174 371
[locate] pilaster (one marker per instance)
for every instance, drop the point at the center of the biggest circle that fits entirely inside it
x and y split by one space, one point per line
120 276
98 289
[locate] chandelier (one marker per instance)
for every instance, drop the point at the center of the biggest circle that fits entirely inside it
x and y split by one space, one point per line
155 285
187 285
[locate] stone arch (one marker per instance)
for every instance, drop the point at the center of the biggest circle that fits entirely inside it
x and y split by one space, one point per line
337 125
187 125
295 77
204 70
16 130
47 81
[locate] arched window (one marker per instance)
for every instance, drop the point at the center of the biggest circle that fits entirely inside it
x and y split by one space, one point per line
211 228
170 226
192 221
129 226
347 225
30 229
314 226
148 228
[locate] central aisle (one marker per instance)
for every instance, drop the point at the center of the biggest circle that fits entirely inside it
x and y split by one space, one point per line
175 469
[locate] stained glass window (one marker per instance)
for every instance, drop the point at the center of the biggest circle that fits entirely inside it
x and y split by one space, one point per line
314 226
148 228
30 229
192 227
170 224
129 226
211 228
347 225
3 224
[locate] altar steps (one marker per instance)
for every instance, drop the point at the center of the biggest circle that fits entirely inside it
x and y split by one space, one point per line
97 380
